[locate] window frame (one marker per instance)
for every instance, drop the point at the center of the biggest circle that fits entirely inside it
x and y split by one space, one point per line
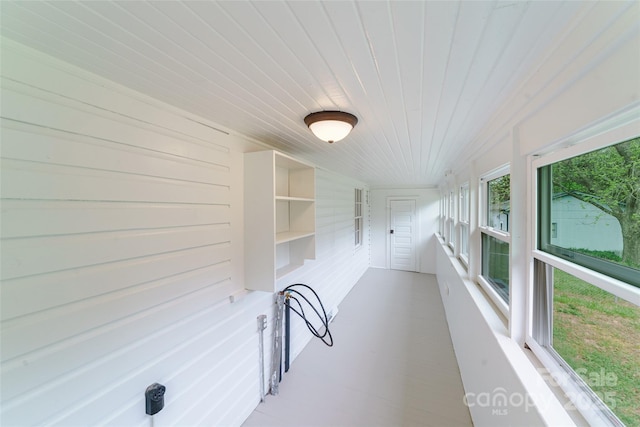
501 235
596 278
544 244
464 223
441 218
446 217
358 218
451 220
540 312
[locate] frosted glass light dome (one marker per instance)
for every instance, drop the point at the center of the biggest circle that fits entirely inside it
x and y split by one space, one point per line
331 126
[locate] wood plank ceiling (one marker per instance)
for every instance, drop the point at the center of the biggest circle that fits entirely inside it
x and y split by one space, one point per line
424 78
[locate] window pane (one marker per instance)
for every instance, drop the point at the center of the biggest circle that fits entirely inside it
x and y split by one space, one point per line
358 217
452 232
598 334
499 203
495 264
452 205
591 215
442 215
464 240
452 212
592 196
446 205
464 203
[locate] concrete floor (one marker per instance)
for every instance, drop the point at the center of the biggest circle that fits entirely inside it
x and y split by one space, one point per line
392 363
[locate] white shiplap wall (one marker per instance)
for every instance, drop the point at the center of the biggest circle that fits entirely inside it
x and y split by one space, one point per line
121 242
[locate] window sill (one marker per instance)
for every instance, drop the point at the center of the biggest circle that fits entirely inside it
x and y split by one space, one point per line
560 394
496 299
479 333
579 406
464 261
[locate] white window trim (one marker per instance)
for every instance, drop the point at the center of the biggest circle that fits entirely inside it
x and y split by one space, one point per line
451 221
591 140
360 232
464 260
493 295
498 234
613 286
447 219
482 202
464 257
464 222
464 186
441 225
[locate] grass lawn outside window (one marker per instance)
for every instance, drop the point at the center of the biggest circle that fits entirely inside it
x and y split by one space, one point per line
598 336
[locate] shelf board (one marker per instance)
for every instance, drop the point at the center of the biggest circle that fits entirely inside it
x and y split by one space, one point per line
283 271
288 236
294 199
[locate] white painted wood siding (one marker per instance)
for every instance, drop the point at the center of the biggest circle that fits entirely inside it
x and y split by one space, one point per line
121 242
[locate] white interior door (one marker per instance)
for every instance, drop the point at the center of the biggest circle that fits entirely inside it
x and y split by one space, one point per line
402 235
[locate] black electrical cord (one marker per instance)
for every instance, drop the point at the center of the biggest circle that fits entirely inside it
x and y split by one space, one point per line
325 321
310 326
326 337
327 333
324 313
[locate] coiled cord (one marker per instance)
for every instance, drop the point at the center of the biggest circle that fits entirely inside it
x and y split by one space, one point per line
326 336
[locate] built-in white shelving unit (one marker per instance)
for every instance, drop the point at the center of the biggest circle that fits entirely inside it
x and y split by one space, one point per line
280 217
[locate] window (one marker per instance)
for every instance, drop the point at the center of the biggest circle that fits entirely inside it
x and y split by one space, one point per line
358 217
443 203
593 206
445 217
498 206
495 264
463 219
494 277
451 220
587 279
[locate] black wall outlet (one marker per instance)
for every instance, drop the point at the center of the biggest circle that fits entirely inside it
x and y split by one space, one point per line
154 397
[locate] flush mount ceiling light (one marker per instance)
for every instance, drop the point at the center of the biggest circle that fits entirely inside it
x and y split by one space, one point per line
331 126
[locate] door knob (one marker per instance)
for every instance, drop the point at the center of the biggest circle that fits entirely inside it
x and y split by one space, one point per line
391 232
